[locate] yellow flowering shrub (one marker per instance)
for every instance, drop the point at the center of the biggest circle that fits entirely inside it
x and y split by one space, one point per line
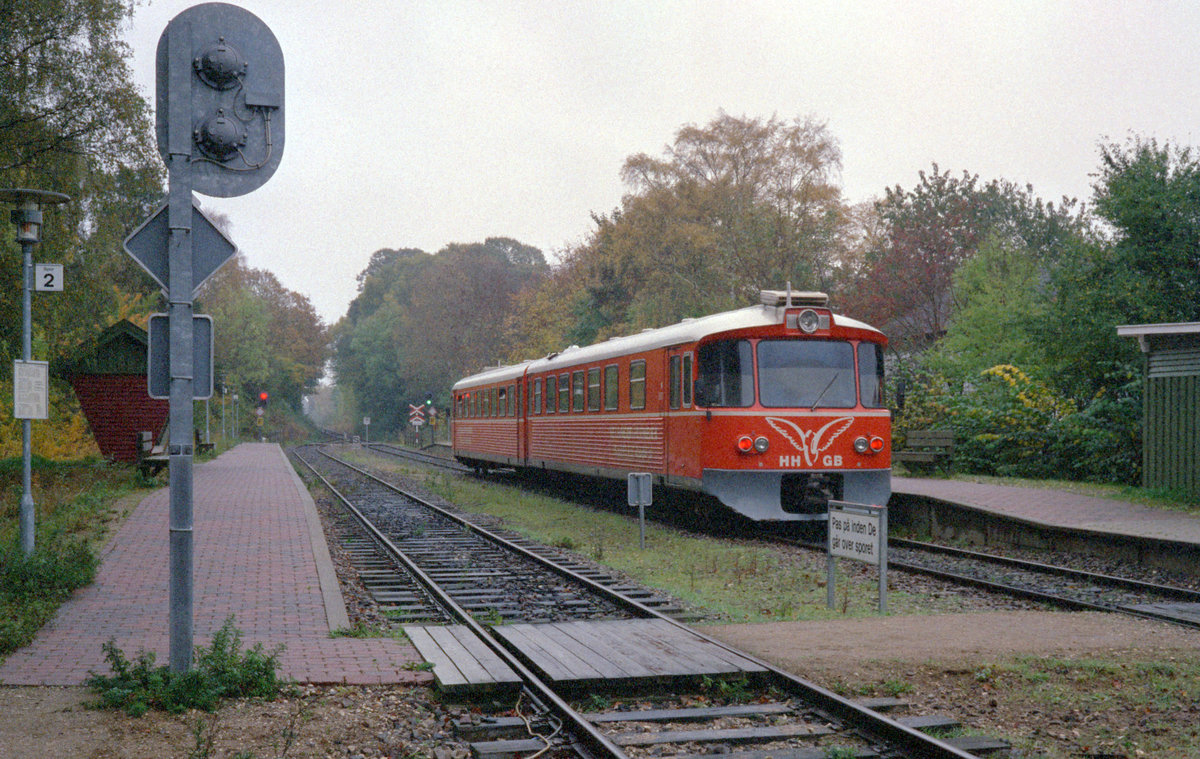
65 436
1010 424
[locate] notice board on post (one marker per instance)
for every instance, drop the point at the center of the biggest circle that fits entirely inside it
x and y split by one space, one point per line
859 532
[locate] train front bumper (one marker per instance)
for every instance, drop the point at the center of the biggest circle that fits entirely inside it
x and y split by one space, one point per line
760 495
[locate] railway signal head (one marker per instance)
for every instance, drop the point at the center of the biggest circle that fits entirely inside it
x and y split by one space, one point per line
263 398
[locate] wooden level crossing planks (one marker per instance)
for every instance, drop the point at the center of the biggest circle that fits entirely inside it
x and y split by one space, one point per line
620 650
461 661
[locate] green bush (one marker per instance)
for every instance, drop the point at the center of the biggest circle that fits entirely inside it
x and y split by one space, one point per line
1010 425
222 670
33 586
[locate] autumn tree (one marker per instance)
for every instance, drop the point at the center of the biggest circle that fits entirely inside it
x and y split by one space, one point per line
368 350
265 336
931 230
421 321
71 120
455 321
731 207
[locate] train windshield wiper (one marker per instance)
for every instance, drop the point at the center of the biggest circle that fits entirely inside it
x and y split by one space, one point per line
821 395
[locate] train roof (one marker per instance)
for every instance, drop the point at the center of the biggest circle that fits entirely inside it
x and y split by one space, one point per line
686 331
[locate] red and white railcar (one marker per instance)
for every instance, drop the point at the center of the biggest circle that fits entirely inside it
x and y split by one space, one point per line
771 409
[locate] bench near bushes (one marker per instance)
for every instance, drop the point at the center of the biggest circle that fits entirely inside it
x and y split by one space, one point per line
925 450
151 458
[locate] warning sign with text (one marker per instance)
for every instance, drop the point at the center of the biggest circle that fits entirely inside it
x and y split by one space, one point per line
854 535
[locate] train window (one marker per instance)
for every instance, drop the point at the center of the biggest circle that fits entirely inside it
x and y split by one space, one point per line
806 373
870 375
637 384
687 380
564 393
535 400
551 392
676 384
593 389
612 388
514 400
502 402
726 374
577 390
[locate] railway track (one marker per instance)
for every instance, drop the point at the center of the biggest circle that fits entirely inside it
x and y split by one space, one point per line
419 457
1038 581
1059 585
766 713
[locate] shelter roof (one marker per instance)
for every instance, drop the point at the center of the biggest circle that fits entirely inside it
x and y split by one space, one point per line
1165 336
119 349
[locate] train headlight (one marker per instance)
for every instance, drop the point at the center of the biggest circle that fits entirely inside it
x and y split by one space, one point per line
808 321
745 444
761 444
876 444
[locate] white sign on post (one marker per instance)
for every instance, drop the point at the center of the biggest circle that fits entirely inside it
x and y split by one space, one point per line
858 532
48 277
854 536
31 389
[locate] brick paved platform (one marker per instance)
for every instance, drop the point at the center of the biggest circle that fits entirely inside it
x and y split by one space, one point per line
259 555
1059 508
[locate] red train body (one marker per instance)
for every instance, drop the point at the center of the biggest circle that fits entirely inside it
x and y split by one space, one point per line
772 409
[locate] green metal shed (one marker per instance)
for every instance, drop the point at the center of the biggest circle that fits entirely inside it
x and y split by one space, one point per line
1171 420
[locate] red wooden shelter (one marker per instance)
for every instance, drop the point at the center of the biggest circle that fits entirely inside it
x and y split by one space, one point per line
109 378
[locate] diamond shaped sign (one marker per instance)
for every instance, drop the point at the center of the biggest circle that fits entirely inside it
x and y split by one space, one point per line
148 246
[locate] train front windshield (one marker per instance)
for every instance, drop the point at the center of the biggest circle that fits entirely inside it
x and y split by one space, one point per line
791 373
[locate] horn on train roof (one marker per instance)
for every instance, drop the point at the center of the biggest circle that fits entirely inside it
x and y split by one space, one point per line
788 298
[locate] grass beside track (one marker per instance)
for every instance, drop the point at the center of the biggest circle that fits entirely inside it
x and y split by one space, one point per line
727 579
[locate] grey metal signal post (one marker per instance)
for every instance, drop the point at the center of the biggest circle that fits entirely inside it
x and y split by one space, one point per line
179 310
220 132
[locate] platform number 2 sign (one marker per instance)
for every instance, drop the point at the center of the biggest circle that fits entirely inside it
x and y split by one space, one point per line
48 277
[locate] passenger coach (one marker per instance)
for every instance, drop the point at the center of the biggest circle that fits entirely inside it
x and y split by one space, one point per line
772 409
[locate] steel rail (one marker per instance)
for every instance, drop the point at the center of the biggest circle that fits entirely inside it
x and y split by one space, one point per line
1182 594
419 457
1127 583
589 733
879 726
1055 599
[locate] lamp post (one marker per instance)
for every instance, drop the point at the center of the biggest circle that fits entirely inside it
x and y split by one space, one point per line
28 219
237 434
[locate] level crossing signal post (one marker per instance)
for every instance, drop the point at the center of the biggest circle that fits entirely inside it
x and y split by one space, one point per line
220 128
416 417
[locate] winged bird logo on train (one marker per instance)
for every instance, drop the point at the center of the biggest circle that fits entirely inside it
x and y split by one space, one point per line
809 443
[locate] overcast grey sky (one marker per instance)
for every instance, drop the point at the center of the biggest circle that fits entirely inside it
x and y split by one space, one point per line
421 123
